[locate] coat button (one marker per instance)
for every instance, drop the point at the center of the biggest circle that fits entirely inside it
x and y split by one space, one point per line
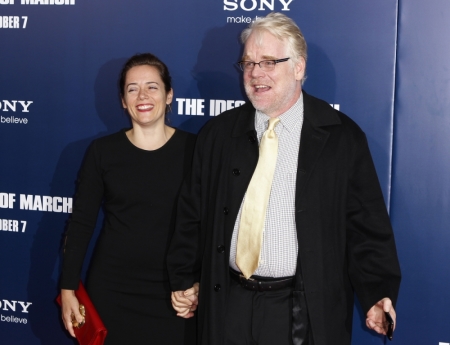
221 249
251 139
236 172
225 210
217 287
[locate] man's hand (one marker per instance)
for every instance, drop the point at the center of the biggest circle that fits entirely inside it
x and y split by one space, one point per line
185 302
375 316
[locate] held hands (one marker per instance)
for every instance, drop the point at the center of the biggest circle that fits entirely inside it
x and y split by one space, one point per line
185 302
70 310
375 316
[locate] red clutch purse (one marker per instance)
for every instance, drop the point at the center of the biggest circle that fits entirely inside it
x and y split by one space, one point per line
92 331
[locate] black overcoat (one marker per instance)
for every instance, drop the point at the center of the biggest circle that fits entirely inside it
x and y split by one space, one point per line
345 239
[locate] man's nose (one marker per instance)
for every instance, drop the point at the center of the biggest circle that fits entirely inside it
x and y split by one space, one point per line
256 71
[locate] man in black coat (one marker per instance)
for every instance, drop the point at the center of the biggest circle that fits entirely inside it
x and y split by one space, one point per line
326 233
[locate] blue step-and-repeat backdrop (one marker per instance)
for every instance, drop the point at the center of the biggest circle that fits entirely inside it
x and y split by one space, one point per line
384 63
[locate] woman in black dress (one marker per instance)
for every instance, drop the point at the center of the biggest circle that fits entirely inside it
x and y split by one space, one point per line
135 175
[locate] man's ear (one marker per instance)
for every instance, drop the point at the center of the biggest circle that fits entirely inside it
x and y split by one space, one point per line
300 67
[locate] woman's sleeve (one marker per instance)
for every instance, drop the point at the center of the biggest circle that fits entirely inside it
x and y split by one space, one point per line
82 223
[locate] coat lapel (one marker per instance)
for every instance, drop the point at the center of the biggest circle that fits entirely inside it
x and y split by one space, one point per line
244 157
312 142
317 116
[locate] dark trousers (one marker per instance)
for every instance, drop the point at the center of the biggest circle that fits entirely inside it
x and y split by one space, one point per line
258 318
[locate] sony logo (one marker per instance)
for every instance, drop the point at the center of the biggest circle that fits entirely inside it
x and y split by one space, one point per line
12 305
250 5
12 105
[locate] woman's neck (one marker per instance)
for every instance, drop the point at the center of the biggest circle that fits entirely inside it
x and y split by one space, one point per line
150 138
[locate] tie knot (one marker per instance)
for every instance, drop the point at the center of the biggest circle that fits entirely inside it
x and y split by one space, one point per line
273 122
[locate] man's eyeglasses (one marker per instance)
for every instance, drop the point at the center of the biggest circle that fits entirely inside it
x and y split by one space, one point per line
265 65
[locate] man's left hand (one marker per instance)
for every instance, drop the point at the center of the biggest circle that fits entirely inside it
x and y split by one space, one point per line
375 316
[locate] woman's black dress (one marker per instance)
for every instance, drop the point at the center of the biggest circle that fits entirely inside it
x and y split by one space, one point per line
127 279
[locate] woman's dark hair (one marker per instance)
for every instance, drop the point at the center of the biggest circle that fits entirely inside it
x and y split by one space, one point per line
146 59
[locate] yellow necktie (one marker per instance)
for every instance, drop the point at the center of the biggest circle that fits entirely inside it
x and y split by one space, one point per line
253 215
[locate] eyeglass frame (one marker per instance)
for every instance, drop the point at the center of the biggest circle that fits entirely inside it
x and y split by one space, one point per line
259 64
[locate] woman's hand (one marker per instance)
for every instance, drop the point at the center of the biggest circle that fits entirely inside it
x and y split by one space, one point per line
185 302
70 309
